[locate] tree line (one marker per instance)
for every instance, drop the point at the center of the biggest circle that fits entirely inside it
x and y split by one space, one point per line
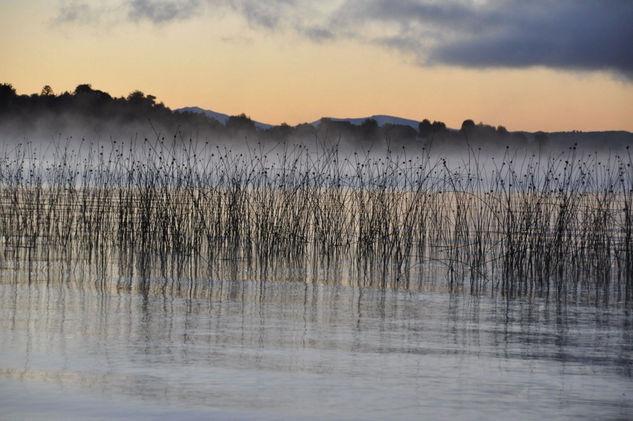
97 109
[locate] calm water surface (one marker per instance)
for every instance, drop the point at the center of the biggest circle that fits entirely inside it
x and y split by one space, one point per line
279 350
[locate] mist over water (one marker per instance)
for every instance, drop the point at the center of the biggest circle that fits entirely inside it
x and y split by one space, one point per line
161 277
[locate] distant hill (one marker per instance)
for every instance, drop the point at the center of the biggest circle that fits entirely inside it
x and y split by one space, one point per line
222 118
380 119
478 132
91 113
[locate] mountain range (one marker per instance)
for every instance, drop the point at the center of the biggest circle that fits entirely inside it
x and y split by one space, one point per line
222 118
602 138
380 119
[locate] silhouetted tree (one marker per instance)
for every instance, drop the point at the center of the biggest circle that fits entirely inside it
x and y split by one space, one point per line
425 128
438 127
468 127
502 131
369 125
84 88
88 107
7 95
138 98
369 129
47 91
485 131
305 131
281 132
335 129
541 139
240 122
399 132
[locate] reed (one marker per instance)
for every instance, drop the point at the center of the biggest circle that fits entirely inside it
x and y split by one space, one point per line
515 226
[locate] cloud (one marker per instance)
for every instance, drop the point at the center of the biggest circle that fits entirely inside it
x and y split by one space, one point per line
160 11
80 12
275 14
267 14
316 33
587 35
562 34
154 11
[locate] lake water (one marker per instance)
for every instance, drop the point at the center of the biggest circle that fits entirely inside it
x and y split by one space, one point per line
244 349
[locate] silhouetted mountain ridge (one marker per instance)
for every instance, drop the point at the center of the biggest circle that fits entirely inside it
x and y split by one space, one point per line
381 119
92 113
222 118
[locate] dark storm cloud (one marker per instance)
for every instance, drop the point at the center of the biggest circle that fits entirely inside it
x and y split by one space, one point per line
403 12
583 35
588 34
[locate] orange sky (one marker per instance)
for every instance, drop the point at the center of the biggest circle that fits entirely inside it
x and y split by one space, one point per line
233 66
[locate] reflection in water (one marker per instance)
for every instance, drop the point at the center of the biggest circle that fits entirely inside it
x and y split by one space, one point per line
130 336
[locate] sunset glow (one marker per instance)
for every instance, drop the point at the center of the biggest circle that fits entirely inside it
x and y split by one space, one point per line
293 62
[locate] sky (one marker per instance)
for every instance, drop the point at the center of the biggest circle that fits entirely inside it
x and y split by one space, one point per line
527 65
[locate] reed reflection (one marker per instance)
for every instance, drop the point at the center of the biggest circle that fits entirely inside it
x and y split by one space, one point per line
184 284
554 226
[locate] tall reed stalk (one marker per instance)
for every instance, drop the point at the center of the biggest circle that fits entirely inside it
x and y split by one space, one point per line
516 226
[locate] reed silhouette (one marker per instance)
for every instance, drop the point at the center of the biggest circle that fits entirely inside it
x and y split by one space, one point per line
554 226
